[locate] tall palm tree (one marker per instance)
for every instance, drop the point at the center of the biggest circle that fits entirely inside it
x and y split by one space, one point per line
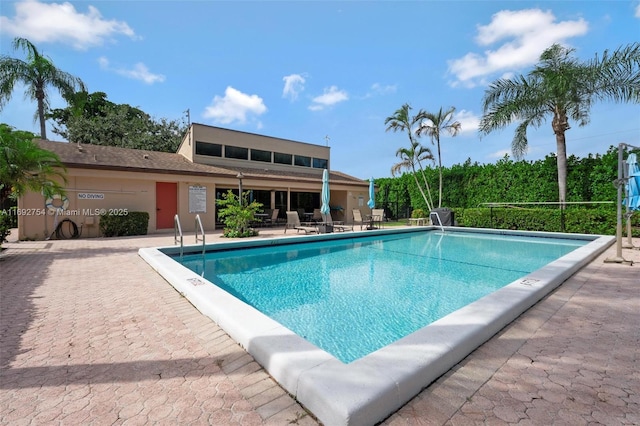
36 73
409 157
562 88
433 125
402 121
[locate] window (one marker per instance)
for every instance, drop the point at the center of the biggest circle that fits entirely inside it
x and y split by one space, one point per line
320 163
236 152
301 160
210 149
280 158
260 155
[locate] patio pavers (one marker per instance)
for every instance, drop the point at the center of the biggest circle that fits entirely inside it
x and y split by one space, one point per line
90 334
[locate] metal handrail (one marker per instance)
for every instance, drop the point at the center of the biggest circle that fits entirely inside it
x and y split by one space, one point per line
543 203
201 228
439 220
177 230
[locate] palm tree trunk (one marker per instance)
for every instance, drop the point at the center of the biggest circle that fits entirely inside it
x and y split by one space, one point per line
439 175
429 206
561 158
43 127
426 185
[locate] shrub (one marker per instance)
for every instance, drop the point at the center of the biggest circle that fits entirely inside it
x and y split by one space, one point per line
600 220
122 225
237 216
6 222
418 213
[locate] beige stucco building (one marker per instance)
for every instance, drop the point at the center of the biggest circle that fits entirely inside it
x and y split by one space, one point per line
279 173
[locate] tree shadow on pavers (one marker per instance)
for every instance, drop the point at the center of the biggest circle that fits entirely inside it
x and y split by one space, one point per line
116 372
23 271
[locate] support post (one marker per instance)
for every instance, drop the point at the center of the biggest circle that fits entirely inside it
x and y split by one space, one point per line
619 183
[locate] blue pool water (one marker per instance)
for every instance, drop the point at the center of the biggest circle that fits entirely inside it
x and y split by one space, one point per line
353 296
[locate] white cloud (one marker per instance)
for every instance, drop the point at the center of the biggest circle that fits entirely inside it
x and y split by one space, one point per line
384 90
524 35
293 85
500 154
234 107
138 72
637 14
331 96
469 122
60 22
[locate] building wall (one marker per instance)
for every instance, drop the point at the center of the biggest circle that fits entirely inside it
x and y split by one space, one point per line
208 134
121 192
135 191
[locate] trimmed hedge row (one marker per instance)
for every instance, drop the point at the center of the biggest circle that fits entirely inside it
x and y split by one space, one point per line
132 223
600 220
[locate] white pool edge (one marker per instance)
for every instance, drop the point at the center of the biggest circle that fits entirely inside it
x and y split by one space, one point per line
369 389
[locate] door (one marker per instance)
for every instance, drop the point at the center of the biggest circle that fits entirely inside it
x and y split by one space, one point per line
166 204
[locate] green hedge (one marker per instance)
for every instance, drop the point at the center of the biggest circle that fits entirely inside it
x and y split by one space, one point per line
6 223
122 225
601 220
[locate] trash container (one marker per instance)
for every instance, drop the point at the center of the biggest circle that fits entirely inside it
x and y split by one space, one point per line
445 214
325 228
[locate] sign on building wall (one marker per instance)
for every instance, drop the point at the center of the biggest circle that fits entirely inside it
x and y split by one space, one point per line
90 196
197 199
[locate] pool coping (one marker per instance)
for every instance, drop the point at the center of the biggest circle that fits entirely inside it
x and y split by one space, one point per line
371 388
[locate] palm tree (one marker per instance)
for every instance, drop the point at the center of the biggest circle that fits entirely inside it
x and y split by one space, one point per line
401 121
433 125
562 88
36 73
411 156
24 166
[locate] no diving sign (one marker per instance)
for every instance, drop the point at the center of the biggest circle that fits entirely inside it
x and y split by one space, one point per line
90 196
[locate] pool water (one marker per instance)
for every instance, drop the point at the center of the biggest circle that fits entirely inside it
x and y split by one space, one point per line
351 297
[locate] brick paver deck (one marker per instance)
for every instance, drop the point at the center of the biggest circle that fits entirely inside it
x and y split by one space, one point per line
90 334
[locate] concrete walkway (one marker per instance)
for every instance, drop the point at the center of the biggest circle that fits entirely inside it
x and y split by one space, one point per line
90 334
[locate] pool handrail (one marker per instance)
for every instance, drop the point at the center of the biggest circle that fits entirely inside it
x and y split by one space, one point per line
201 228
177 230
439 220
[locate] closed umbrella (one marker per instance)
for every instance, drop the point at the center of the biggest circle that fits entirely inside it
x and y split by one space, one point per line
325 209
372 195
633 184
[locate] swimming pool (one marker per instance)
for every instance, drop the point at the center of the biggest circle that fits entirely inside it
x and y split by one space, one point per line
353 296
371 387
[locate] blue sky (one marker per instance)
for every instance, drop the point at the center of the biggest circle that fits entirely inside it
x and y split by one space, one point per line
323 72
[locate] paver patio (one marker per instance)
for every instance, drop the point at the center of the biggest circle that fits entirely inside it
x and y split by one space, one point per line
90 334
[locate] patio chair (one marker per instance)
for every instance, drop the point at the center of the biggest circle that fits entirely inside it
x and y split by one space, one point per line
337 226
378 216
317 216
293 222
357 218
273 220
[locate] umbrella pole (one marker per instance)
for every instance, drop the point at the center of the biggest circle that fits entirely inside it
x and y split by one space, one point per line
619 182
629 243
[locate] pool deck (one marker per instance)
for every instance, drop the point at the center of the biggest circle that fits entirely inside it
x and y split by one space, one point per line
90 334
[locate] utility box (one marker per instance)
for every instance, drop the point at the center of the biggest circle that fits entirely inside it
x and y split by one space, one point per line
444 214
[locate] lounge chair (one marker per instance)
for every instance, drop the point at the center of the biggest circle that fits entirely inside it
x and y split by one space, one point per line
378 216
317 216
337 226
357 219
273 220
293 222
